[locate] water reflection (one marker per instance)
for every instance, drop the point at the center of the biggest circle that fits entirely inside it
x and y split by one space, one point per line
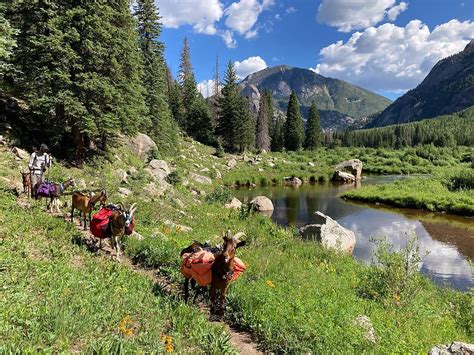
449 240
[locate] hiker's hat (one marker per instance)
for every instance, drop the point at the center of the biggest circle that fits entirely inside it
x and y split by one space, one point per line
44 147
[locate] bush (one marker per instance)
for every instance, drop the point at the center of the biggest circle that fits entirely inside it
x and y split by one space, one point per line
174 178
220 195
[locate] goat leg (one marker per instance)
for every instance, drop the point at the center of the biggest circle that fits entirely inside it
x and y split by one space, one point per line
213 299
186 289
72 213
222 301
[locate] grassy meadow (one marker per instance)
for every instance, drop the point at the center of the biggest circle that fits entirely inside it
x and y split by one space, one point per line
295 296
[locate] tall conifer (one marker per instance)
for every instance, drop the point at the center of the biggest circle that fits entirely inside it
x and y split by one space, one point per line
294 131
314 133
263 136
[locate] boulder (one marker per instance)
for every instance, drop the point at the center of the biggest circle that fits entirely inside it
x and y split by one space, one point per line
329 233
177 227
3 140
311 164
124 191
270 164
341 176
232 163
20 153
121 175
141 145
132 170
293 180
156 189
354 166
234 204
218 174
201 179
455 347
261 204
366 325
158 169
137 236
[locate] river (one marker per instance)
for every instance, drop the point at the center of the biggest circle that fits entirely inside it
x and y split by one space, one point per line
447 240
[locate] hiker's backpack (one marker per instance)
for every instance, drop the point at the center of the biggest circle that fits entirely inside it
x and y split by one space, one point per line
100 222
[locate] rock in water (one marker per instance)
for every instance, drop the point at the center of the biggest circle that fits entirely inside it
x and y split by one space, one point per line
456 347
353 165
261 204
234 204
341 176
293 181
329 233
141 145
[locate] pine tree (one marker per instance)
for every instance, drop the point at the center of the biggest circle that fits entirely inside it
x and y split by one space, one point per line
263 136
203 124
294 131
188 86
154 75
81 72
314 133
8 43
245 127
229 103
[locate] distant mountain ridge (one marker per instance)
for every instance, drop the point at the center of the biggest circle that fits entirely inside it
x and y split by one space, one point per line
342 105
448 88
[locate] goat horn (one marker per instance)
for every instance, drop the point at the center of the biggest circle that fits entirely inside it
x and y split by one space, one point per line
238 235
133 207
120 204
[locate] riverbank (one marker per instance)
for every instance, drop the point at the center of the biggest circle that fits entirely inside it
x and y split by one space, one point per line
295 296
448 190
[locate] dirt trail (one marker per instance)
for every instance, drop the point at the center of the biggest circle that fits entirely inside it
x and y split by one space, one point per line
240 340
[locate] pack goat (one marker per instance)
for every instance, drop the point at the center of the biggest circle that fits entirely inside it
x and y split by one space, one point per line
26 181
222 269
85 204
58 191
120 220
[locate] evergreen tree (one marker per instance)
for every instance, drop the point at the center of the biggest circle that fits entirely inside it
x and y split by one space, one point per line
188 86
314 133
278 141
263 136
245 127
294 131
154 75
81 72
201 117
7 44
229 104
175 99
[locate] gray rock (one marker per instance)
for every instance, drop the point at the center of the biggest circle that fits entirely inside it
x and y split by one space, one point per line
293 181
270 164
329 233
156 189
124 191
141 145
261 204
455 347
234 204
369 331
311 164
200 179
341 176
121 175
178 227
205 170
3 140
232 163
132 170
218 174
20 153
137 236
354 166
158 169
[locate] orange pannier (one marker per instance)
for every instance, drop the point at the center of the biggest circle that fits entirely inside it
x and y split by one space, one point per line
198 266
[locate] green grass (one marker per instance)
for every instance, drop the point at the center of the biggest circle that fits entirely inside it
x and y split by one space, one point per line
53 302
447 191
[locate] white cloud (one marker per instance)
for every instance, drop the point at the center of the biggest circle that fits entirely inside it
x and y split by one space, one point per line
228 38
393 58
290 10
201 14
207 88
357 14
249 66
243 15
393 12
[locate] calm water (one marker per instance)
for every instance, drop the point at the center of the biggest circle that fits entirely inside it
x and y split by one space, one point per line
448 239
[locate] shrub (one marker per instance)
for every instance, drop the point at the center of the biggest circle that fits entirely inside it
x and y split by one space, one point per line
174 178
220 195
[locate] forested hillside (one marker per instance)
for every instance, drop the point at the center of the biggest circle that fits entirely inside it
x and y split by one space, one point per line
443 131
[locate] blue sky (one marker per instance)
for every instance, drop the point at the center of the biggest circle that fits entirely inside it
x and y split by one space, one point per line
387 46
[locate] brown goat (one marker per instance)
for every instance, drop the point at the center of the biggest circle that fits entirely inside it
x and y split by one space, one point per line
222 269
120 219
58 191
85 204
26 181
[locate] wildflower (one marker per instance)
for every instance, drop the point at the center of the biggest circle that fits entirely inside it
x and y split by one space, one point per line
126 326
270 284
168 343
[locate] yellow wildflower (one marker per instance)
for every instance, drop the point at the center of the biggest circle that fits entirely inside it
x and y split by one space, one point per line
126 326
168 343
270 284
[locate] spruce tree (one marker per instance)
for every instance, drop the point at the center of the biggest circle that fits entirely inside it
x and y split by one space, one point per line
188 86
294 131
314 133
201 117
263 136
154 75
229 103
7 44
245 126
81 72
278 141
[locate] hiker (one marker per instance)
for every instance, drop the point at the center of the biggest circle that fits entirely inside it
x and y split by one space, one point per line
39 162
